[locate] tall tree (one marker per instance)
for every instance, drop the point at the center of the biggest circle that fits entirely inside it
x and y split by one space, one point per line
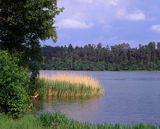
23 23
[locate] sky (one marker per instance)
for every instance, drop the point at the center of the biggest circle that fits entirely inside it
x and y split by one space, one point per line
107 22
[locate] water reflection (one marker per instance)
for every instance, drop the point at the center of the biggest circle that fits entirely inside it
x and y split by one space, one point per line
73 107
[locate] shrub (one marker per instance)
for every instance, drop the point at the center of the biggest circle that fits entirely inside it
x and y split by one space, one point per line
14 83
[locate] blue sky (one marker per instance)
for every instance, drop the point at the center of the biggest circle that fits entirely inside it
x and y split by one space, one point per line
108 21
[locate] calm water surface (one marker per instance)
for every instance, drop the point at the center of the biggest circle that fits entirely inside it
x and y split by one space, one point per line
130 97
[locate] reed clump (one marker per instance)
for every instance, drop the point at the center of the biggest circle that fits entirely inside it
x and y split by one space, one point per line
71 85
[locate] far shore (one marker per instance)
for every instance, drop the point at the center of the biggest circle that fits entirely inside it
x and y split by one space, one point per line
102 70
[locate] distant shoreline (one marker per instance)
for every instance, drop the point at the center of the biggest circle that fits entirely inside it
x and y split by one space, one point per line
103 70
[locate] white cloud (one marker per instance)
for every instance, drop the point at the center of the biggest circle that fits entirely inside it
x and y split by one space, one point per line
137 15
100 2
86 1
155 28
107 18
114 2
85 13
74 24
90 13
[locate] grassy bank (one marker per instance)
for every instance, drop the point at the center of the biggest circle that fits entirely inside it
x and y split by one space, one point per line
59 121
68 85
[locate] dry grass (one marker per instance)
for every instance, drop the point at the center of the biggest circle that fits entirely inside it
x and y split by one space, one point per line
73 79
71 85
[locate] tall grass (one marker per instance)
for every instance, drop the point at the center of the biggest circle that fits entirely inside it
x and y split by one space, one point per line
73 79
60 121
70 85
26 122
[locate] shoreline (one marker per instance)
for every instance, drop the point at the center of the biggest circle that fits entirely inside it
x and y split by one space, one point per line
101 70
59 120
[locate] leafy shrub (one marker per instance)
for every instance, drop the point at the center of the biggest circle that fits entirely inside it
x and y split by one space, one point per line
14 83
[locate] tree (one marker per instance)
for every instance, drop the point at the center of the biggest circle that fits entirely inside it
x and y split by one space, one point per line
27 19
97 57
158 50
23 23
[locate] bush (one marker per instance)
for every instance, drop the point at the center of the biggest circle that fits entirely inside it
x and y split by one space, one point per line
14 83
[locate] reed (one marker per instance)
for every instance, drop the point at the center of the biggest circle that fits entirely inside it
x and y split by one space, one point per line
71 85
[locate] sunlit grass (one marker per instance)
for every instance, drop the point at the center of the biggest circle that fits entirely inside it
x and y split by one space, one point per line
71 85
73 78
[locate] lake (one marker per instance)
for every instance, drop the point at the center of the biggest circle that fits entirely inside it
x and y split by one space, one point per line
130 97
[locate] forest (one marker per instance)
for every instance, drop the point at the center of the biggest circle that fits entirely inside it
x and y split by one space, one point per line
99 57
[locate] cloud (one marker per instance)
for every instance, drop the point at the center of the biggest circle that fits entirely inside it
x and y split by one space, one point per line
86 1
155 28
74 24
107 18
137 15
112 2
88 13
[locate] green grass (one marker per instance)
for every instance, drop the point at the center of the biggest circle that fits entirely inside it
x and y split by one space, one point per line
60 121
66 89
26 122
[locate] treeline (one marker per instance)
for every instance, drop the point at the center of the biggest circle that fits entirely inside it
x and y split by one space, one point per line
98 57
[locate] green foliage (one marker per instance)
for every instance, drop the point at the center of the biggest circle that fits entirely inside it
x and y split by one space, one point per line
41 88
25 122
27 19
32 59
23 24
98 58
60 121
14 83
54 119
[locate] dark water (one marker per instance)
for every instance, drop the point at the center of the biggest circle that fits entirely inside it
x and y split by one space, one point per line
130 97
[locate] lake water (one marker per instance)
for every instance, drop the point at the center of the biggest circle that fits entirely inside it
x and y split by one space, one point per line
130 97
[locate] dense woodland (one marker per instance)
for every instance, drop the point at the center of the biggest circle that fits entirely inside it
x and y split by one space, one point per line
98 57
